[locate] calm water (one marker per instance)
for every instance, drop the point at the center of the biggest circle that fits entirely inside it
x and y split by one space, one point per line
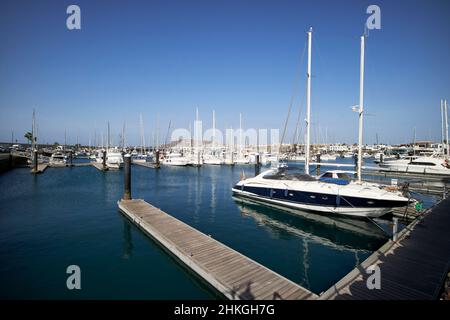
69 216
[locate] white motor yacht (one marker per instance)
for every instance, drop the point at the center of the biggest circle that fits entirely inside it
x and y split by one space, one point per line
175 159
419 164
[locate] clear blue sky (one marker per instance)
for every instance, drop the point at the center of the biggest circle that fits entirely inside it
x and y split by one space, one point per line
169 57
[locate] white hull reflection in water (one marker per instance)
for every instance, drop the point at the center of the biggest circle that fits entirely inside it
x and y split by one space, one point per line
340 233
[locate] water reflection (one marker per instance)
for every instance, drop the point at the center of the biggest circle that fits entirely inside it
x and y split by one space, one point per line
337 232
127 240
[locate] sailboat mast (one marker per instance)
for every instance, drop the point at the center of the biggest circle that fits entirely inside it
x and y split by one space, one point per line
214 129
446 128
108 141
361 108
33 134
240 134
308 104
123 135
442 122
142 133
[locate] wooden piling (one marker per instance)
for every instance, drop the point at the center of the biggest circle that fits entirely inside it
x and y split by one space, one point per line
35 161
157 159
104 159
127 177
318 165
70 158
257 165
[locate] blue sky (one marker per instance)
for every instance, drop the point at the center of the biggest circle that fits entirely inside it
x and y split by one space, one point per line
167 58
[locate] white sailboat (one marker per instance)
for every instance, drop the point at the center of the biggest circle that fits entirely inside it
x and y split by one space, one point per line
114 159
196 158
175 159
214 156
142 156
241 157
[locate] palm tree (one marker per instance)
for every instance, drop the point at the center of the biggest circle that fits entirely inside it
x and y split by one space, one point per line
29 136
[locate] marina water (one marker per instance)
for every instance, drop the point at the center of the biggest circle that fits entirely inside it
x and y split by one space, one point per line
69 216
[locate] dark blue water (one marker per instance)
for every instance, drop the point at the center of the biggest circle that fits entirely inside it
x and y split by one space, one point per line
69 216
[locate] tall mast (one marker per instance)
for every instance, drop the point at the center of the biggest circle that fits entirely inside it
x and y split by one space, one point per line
442 122
108 140
308 103
123 135
214 129
240 134
446 128
33 134
142 133
361 108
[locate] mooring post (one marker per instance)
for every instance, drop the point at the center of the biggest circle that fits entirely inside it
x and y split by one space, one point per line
35 160
257 165
157 158
127 177
318 165
104 158
70 158
382 158
10 161
394 229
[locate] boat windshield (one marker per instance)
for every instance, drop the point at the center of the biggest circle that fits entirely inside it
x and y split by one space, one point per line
289 173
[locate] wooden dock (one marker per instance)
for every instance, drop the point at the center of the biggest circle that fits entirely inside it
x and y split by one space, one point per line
99 166
232 274
413 267
40 168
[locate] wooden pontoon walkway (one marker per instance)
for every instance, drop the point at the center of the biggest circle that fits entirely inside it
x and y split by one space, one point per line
412 268
231 273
